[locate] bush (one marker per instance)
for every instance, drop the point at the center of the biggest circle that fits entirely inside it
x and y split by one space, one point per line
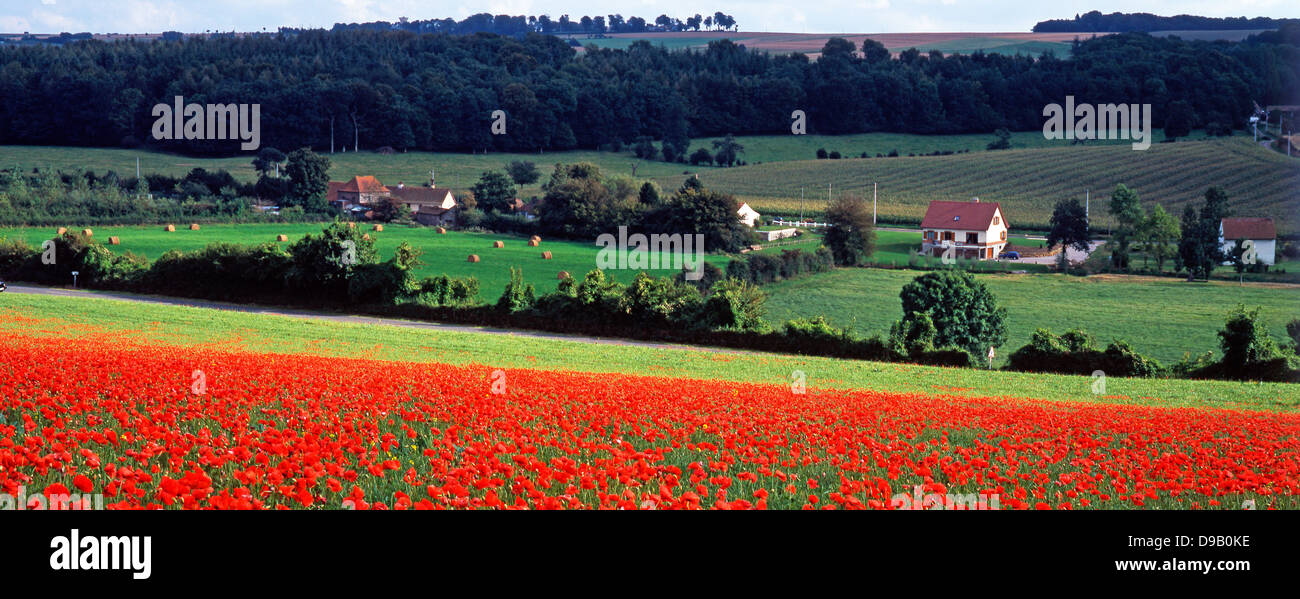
733 305
517 296
1250 352
964 311
446 291
1076 352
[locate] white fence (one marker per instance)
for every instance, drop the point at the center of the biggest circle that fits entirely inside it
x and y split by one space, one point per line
800 224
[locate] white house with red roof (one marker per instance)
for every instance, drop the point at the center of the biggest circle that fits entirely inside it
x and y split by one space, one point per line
974 229
1259 231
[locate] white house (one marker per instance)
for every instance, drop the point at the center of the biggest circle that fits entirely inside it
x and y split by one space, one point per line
748 215
974 229
1260 231
776 234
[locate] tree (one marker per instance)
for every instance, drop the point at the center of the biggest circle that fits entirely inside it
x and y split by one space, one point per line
523 173
694 209
1199 250
1126 209
1001 140
701 156
308 179
391 209
649 194
1179 120
323 263
852 236
494 192
1159 231
727 150
268 159
1246 342
1069 228
644 148
964 312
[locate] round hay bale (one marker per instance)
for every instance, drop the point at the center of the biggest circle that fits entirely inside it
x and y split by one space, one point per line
282 238
379 228
366 237
169 228
442 231
564 274
535 238
473 257
62 230
546 255
532 243
498 244
352 225
88 232
194 226
114 241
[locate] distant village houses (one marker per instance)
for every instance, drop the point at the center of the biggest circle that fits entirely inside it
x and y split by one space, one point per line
1259 231
975 230
429 205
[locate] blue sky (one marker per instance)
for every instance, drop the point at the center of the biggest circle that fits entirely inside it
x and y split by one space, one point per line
824 16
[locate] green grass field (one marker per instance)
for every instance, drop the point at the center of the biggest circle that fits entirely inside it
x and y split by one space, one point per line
171 325
1028 182
1162 318
443 254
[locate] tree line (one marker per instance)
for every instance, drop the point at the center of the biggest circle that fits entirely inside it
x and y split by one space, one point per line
380 90
519 25
1095 21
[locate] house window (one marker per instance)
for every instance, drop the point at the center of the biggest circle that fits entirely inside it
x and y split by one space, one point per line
947 235
997 220
1004 236
972 238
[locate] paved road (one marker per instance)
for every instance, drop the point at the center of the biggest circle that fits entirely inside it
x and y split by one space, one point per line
346 318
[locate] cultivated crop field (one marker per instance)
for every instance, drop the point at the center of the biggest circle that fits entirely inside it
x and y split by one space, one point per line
1029 182
218 426
443 253
1160 317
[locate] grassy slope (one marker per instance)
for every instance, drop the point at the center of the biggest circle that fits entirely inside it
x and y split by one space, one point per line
170 325
1028 182
443 254
1163 318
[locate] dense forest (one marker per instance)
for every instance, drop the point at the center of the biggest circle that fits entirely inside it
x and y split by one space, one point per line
371 89
1096 22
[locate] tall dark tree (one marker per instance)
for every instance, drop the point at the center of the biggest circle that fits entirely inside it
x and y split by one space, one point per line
1069 229
852 236
964 312
494 192
308 174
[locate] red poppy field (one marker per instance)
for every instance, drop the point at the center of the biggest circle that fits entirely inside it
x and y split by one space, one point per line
209 428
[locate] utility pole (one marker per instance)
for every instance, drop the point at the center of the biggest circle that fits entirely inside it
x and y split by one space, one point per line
800 205
873 203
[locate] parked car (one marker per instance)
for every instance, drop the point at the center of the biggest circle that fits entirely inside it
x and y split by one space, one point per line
2 286
1009 255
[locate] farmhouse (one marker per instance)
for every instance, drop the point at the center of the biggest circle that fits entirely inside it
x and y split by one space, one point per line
748 215
1260 231
974 229
429 205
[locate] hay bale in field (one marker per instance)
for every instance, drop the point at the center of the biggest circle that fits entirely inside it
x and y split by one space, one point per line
62 230
169 228
473 257
379 228
546 255
442 231
498 244
532 243
282 238
114 241
88 232
564 274
535 238
194 226
366 237
352 225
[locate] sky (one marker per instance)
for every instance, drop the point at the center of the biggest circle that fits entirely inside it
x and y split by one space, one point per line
823 16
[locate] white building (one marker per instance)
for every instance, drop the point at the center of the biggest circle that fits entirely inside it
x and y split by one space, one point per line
975 229
1260 231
